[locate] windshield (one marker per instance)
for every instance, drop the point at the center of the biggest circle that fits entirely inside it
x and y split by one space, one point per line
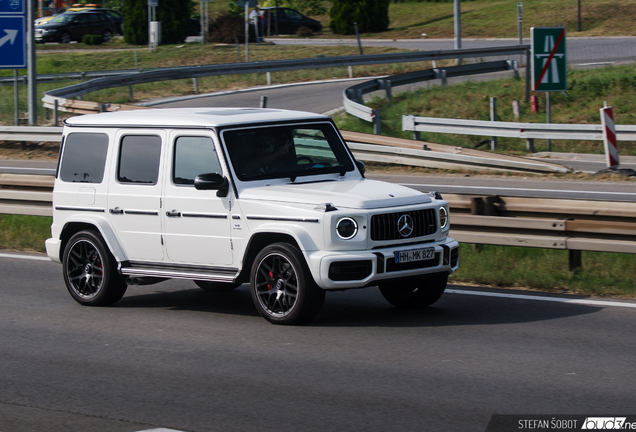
286 151
61 18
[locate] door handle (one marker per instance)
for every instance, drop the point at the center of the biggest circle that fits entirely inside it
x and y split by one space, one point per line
116 210
173 213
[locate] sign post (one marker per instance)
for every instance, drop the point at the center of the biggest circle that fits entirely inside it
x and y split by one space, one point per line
13 54
549 66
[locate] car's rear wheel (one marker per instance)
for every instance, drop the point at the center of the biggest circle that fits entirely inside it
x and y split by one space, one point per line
416 293
283 290
90 271
65 38
216 286
107 36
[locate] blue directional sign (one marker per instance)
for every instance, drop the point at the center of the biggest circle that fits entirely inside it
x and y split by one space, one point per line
12 41
12 7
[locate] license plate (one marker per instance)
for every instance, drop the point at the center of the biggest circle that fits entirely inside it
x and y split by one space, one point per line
414 255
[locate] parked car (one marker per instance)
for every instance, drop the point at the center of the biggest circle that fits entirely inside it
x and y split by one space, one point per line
71 26
289 21
116 17
225 196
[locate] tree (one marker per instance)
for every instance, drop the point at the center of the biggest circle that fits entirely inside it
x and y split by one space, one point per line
372 16
173 15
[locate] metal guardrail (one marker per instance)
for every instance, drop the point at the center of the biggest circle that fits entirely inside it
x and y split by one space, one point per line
554 131
353 101
43 78
551 223
166 74
31 133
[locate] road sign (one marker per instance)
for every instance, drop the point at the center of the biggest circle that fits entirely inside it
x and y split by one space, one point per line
12 7
153 3
12 41
548 59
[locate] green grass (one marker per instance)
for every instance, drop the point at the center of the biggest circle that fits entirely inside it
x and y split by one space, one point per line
547 270
25 233
587 91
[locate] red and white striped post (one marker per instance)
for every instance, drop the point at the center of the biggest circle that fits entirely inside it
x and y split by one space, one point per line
609 136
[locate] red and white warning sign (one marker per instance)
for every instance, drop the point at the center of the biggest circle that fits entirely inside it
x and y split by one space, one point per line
609 136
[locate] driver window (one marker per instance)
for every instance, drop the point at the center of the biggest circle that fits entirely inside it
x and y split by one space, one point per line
194 156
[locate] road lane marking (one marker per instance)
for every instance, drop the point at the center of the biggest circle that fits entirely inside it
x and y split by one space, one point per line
160 430
544 298
27 257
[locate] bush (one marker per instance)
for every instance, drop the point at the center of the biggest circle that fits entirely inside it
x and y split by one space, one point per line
372 16
173 14
227 28
304 32
92 39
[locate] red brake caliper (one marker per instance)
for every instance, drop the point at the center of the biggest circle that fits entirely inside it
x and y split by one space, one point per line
269 285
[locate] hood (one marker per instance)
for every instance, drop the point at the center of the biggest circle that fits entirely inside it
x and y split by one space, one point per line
358 194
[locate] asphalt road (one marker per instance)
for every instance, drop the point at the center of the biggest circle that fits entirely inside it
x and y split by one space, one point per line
173 356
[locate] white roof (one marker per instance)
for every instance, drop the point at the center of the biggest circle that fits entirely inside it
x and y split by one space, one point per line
190 117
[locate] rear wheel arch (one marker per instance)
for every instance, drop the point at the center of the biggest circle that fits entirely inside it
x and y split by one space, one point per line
73 227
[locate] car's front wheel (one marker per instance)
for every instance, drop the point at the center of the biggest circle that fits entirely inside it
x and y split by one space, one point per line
283 290
416 293
90 271
65 37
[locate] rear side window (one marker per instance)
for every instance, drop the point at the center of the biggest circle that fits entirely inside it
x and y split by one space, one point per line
139 158
84 157
193 156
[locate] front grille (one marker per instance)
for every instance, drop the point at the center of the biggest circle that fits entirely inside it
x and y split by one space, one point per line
385 226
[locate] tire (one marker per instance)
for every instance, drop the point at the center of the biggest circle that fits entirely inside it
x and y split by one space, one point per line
283 290
417 293
106 36
216 286
65 37
90 271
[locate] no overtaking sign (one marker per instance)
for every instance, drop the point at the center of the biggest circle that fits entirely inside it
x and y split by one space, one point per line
548 59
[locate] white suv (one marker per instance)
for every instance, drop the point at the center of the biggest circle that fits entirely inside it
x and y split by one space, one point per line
227 196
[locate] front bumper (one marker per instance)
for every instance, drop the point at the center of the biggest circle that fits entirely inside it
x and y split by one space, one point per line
357 269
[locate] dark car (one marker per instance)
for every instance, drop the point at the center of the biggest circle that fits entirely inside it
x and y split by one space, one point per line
289 21
70 26
115 17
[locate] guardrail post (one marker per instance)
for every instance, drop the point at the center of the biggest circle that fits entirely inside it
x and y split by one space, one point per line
530 145
263 101
575 260
416 135
55 118
493 117
386 85
514 65
195 84
102 107
377 122
441 74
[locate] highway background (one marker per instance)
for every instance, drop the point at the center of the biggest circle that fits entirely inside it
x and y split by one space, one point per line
173 356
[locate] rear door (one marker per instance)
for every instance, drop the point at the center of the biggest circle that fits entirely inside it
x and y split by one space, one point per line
134 194
196 222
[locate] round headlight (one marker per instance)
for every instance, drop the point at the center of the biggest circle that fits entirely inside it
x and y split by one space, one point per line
443 217
346 228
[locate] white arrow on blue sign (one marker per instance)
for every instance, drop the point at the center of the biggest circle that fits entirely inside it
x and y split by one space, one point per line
12 42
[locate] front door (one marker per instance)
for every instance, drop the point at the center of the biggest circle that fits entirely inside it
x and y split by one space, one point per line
196 222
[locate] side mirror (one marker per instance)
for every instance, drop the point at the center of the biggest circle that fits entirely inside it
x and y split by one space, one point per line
212 181
361 167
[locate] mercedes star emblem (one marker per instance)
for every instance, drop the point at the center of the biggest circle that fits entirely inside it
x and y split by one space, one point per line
405 225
